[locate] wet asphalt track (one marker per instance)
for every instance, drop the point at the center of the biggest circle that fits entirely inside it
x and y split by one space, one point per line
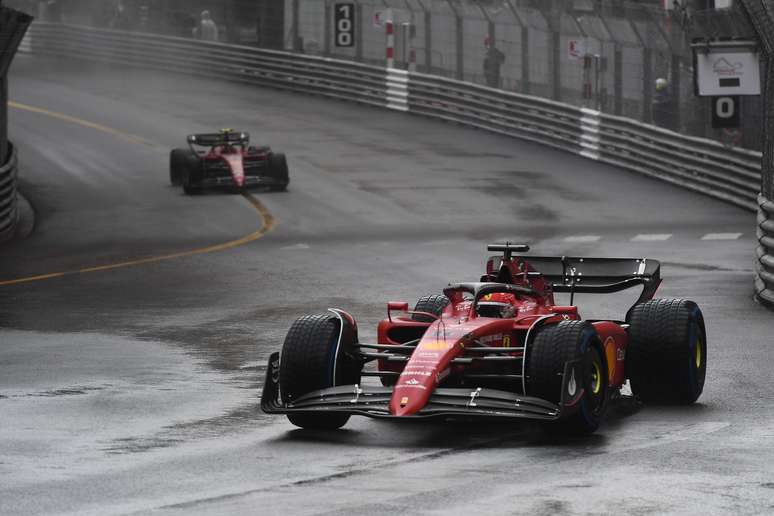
135 390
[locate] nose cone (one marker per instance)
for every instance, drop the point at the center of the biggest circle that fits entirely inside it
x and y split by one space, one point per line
404 404
411 394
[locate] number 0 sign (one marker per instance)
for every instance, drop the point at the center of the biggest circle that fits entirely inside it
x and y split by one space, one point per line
344 19
725 112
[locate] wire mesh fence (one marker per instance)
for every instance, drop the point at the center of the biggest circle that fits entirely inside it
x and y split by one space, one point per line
626 58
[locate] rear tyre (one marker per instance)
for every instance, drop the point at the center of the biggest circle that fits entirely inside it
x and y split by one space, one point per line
312 358
189 181
278 167
434 304
667 352
552 348
178 159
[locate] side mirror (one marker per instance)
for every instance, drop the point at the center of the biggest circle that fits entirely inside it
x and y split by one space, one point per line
396 306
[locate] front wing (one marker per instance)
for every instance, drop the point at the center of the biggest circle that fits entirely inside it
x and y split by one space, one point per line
445 402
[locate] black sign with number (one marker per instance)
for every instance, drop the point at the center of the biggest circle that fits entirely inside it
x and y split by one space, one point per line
344 19
725 112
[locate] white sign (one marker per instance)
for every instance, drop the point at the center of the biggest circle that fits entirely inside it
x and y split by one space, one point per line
728 73
382 17
576 48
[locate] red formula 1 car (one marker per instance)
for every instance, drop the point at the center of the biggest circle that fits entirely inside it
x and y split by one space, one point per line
226 160
500 347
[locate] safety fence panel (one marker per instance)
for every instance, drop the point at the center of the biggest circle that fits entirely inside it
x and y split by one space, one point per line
8 199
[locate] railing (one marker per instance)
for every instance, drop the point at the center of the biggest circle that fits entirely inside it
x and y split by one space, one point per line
8 209
706 166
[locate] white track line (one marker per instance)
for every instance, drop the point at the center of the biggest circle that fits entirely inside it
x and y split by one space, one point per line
583 238
655 237
721 236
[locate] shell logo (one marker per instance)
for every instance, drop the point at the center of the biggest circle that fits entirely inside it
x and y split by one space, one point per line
436 346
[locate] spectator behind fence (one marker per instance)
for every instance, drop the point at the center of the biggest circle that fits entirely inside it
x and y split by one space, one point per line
493 60
50 11
120 18
663 105
207 30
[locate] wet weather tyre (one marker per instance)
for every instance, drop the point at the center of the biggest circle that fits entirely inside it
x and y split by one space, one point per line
667 354
434 304
278 167
189 186
178 159
555 346
312 359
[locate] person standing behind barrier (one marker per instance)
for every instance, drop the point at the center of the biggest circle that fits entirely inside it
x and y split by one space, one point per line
120 18
207 30
663 106
493 60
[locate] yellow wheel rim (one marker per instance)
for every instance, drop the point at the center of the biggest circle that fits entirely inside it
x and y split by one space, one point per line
697 353
596 377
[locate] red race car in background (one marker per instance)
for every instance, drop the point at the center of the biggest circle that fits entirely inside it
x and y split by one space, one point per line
499 348
227 160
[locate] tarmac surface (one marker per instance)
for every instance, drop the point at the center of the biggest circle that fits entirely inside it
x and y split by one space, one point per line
134 342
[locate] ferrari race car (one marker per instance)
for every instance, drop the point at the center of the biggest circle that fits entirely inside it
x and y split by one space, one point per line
500 348
226 159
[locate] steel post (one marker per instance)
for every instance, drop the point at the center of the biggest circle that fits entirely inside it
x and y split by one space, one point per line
327 24
617 79
459 32
296 44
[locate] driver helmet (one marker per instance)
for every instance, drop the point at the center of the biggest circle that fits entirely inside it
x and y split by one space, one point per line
499 304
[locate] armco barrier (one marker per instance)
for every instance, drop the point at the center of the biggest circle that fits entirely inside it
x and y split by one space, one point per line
8 205
701 165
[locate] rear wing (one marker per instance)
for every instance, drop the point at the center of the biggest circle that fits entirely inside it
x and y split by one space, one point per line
598 275
223 138
584 275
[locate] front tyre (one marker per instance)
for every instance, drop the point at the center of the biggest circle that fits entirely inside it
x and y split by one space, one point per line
555 346
313 358
667 353
434 304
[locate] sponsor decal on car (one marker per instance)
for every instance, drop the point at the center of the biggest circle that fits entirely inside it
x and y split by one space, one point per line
436 345
415 372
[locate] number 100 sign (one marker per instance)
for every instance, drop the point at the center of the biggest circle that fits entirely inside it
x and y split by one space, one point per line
344 19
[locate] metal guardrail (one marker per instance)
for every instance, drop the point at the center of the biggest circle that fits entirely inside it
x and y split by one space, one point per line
702 165
337 79
8 204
